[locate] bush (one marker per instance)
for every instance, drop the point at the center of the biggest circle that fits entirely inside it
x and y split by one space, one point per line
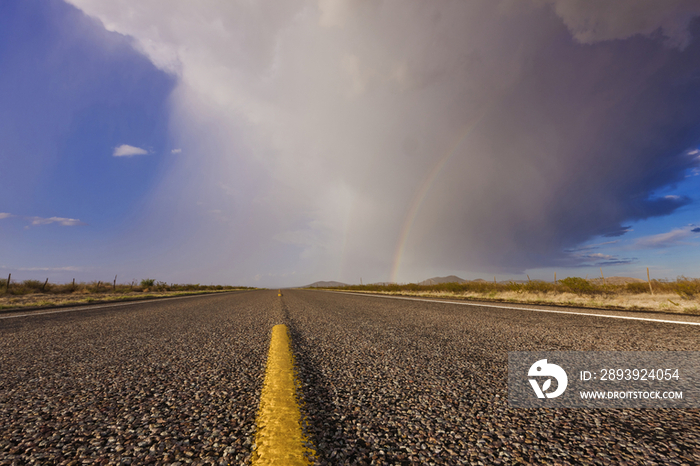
578 285
637 287
539 286
33 285
687 287
148 283
37 286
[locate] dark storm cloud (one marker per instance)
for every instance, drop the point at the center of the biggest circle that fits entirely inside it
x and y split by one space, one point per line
475 135
579 145
617 232
601 261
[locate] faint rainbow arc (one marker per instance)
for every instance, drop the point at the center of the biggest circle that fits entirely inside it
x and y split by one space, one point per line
423 191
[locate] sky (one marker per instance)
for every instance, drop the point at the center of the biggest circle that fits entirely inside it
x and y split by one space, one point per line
276 144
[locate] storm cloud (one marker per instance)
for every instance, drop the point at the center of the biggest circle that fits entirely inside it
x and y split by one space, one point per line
382 139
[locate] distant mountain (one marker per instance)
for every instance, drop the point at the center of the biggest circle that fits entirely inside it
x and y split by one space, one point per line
438 280
322 284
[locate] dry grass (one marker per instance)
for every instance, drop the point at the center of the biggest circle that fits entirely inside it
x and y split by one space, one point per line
34 293
678 297
52 300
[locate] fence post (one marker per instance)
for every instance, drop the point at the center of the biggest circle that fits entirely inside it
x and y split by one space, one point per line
44 286
601 274
555 278
649 280
73 287
115 283
7 285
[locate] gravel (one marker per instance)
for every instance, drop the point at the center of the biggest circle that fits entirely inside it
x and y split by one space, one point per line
175 382
384 382
400 382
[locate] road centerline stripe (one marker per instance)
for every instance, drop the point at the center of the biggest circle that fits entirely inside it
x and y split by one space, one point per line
279 438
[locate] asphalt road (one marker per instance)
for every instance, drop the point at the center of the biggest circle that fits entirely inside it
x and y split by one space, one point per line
384 382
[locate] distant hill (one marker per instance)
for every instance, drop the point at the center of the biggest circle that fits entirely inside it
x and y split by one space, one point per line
456 279
322 284
438 280
616 280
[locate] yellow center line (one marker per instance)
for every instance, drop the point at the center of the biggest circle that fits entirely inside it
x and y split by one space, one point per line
279 439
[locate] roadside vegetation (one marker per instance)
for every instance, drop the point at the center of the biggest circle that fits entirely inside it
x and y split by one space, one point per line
36 293
678 296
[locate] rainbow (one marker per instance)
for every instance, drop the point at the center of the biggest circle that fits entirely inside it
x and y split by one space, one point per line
424 189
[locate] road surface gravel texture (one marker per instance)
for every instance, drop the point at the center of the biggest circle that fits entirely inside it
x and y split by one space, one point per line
384 381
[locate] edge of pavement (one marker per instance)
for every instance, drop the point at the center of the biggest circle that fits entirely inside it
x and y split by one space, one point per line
611 313
134 300
458 299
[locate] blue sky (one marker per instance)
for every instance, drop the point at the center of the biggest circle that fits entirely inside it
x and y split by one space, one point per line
277 145
70 92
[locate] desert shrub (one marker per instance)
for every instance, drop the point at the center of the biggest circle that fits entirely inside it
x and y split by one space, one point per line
516 287
578 285
93 287
477 287
637 287
684 287
148 283
687 287
160 286
65 288
121 288
33 285
18 289
539 286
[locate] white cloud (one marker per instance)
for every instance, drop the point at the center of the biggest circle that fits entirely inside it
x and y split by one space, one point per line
598 20
51 269
66 222
176 151
126 150
588 247
669 239
600 256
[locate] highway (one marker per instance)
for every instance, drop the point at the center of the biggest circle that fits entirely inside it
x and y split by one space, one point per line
383 381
